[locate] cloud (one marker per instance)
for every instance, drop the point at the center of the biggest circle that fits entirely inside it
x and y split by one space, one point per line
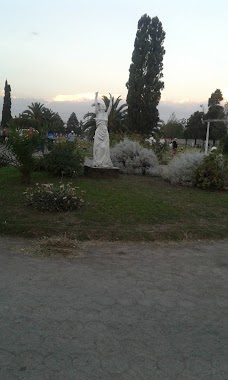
81 107
81 97
225 94
35 33
84 97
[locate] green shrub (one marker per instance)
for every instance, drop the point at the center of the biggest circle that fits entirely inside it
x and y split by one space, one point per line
211 173
38 164
64 159
47 197
85 146
19 152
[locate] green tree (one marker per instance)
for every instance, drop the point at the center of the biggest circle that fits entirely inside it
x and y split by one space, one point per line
22 123
89 125
144 84
195 128
53 121
35 112
42 118
73 124
215 99
6 110
216 111
173 128
117 119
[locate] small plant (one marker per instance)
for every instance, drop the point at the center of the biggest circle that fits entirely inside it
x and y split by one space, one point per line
212 173
47 197
181 169
64 159
131 158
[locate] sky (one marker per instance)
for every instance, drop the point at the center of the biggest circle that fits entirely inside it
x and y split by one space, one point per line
61 52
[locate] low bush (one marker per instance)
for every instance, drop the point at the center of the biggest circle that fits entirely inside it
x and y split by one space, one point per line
38 164
85 146
212 174
181 169
47 197
131 158
65 158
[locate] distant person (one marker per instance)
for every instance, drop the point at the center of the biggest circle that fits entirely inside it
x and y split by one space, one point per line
174 146
30 132
71 136
213 149
150 140
162 140
50 135
5 134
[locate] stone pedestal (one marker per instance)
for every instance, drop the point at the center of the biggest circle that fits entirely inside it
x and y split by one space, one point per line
94 172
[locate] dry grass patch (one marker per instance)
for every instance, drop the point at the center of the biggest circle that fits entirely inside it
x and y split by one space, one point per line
57 246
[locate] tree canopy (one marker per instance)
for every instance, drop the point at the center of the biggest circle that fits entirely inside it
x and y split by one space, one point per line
216 112
6 110
118 114
42 118
73 124
195 128
144 84
173 128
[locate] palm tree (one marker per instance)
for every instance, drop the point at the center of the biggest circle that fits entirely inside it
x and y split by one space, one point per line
89 125
116 120
35 112
118 114
53 121
43 118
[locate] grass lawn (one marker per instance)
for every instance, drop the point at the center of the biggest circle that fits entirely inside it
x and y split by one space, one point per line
130 208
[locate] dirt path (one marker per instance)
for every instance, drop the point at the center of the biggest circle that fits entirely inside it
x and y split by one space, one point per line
119 311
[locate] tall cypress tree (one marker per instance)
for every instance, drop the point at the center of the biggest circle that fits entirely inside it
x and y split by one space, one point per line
6 110
73 123
216 111
144 84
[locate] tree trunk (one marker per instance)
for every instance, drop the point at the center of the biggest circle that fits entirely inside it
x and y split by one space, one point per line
26 177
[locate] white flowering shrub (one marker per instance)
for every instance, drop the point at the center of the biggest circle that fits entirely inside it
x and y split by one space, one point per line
49 197
181 169
131 158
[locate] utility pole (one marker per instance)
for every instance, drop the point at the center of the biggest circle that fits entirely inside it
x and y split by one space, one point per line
226 113
208 129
